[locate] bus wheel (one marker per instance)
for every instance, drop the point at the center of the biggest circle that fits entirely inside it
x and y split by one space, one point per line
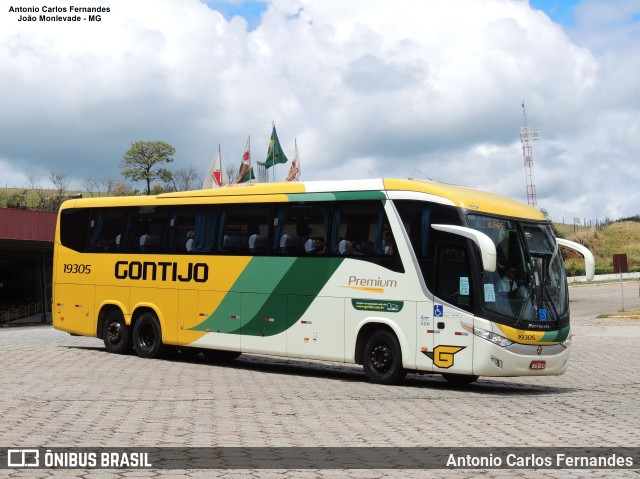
116 334
460 379
382 360
147 336
221 356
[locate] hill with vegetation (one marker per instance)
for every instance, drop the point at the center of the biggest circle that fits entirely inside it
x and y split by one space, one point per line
618 237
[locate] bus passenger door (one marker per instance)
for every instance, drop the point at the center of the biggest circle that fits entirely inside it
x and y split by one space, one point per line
453 305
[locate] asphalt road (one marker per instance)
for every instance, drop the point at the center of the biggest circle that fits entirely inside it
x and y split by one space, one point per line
57 390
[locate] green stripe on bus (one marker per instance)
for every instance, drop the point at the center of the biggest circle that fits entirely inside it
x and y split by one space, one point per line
338 196
272 295
556 336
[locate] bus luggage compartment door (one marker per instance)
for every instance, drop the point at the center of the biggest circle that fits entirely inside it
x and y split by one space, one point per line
74 309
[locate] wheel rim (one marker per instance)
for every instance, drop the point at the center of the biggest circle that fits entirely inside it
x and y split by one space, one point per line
114 332
147 336
381 357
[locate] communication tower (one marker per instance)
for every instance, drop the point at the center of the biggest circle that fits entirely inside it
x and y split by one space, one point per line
527 137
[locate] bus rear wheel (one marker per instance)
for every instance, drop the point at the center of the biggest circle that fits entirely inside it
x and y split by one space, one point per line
382 359
147 336
116 334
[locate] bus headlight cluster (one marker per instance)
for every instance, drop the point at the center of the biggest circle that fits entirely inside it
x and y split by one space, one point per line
567 342
488 335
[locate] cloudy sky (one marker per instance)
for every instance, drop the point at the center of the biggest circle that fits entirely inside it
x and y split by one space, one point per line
369 88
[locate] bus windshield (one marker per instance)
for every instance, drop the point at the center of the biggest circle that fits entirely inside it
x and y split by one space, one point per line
529 284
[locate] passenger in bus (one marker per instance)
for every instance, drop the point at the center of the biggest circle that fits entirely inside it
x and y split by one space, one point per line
507 283
349 248
190 241
389 246
315 246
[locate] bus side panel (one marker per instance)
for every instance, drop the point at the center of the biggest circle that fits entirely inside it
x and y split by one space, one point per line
114 295
318 328
264 322
188 316
164 302
217 322
74 309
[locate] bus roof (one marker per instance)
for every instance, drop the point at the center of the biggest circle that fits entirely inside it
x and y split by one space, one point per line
470 199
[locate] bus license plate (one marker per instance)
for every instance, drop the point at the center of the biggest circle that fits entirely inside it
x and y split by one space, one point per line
538 365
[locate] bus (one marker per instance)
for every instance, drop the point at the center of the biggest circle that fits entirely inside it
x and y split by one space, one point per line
396 275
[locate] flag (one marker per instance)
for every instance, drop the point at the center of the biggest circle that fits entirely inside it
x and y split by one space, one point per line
246 172
216 175
275 154
294 171
219 173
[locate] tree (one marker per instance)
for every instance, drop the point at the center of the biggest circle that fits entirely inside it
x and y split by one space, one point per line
144 161
186 179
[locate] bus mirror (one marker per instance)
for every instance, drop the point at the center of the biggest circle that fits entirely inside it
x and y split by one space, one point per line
589 261
485 244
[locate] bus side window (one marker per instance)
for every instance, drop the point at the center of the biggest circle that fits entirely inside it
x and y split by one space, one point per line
358 229
105 225
74 228
241 223
192 229
301 229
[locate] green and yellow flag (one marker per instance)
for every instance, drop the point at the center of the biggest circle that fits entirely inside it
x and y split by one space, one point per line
275 155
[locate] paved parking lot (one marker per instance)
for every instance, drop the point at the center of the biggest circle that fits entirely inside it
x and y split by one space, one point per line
57 390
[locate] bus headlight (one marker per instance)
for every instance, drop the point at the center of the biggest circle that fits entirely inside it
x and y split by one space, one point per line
488 335
567 342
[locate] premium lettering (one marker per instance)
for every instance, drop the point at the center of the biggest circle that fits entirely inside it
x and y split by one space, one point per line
375 282
162 271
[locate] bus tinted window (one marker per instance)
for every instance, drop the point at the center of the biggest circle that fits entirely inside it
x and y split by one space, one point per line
107 230
243 227
301 229
358 228
148 226
193 229
74 226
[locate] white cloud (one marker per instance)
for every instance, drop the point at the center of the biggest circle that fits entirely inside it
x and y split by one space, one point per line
368 88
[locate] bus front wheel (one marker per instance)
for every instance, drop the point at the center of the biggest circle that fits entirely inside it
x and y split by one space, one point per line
382 359
147 336
116 334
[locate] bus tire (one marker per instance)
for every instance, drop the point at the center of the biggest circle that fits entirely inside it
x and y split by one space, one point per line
220 356
147 336
460 379
382 361
116 334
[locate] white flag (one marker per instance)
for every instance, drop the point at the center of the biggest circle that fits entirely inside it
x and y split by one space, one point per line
294 171
216 175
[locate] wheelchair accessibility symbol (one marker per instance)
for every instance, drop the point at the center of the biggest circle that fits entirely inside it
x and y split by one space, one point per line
438 310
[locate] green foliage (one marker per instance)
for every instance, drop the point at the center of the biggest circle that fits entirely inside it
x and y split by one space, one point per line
17 199
618 237
144 160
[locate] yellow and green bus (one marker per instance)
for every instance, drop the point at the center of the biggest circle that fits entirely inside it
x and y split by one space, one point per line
396 275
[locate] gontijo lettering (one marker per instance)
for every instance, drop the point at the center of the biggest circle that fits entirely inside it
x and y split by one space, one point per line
162 271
